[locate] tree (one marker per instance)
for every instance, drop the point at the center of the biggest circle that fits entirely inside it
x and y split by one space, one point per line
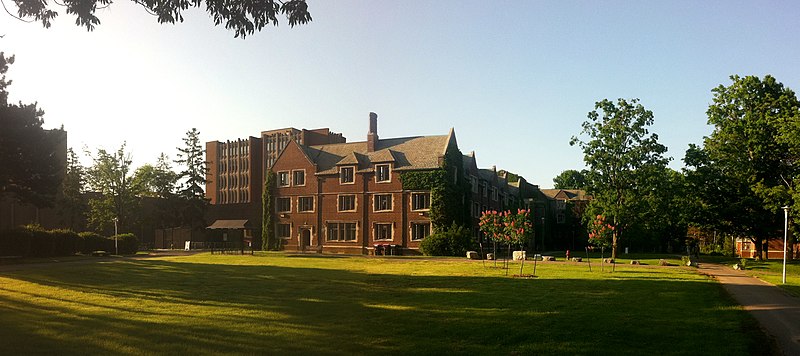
158 182
110 178
268 239
71 205
31 169
570 179
755 147
192 178
243 17
622 156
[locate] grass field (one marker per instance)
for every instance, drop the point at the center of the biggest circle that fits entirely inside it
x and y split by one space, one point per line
770 271
275 304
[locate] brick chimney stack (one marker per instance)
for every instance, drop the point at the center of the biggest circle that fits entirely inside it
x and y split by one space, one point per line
372 135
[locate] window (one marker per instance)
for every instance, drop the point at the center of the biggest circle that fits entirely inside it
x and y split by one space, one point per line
284 231
298 177
341 231
484 189
283 179
383 202
561 204
474 182
283 205
420 201
494 193
305 204
476 210
560 218
383 232
382 173
347 202
420 231
346 175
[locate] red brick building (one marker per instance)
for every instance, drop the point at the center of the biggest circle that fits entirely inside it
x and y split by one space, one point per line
340 197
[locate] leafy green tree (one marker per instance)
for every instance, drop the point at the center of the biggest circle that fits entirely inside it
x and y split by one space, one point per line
110 177
31 170
243 17
570 179
268 239
192 178
157 181
754 145
71 204
622 156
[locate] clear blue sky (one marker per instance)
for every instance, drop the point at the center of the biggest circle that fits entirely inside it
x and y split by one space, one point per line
514 78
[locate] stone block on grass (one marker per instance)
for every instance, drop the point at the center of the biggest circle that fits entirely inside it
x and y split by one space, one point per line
548 258
577 259
472 255
519 255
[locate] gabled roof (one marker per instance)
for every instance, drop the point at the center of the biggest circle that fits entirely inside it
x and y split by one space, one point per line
565 194
406 153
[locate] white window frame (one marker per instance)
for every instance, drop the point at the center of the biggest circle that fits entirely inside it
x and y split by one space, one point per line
375 231
339 230
353 176
294 182
288 179
412 225
300 206
375 202
388 173
339 202
413 194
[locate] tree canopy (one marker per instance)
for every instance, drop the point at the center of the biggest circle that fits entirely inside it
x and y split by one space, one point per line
243 17
748 168
31 168
570 179
624 159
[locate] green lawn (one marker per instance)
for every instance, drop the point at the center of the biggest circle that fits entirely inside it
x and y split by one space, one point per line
770 271
277 304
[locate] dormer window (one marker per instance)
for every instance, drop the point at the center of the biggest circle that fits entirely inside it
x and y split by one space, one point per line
382 173
346 175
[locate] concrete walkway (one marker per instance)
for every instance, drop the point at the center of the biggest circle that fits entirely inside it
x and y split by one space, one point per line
776 311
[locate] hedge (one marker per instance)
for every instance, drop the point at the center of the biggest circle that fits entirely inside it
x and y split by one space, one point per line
34 241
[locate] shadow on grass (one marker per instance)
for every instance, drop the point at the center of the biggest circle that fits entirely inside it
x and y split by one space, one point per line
164 307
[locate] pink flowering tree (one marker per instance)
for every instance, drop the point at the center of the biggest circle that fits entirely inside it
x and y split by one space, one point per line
519 229
601 232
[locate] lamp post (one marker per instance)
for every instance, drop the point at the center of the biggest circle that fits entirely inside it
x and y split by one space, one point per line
116 249
785 238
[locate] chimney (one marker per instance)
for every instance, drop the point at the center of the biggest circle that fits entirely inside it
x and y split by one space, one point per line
372 135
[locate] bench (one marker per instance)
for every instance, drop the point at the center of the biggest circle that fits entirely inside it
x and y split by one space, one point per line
99 253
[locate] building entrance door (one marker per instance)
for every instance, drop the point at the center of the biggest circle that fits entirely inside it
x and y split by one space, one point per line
305 237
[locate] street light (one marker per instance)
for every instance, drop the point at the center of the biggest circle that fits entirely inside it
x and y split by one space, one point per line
116 249
785 235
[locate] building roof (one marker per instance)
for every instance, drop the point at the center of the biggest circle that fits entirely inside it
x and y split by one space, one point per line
405 153
566 194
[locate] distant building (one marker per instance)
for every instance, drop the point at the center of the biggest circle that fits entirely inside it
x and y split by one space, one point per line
335 196
559 213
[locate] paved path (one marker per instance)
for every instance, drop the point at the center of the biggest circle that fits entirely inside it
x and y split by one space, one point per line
776 311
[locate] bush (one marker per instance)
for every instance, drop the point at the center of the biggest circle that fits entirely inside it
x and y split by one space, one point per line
455 241
128 244
94 242
15 242
66 242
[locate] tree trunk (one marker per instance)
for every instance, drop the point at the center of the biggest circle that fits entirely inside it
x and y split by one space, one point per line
614 245
757 241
